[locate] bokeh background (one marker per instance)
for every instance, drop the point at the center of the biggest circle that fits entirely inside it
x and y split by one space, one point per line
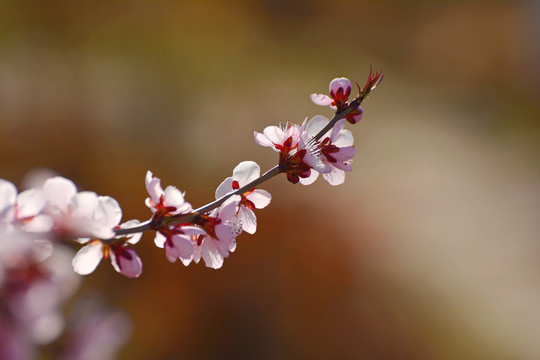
431 248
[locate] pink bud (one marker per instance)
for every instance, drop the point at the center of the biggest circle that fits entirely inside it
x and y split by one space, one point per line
340 89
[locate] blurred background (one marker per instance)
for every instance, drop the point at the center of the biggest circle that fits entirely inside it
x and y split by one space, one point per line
431 248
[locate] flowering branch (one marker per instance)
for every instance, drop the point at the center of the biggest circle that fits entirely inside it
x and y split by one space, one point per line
35 224
57 210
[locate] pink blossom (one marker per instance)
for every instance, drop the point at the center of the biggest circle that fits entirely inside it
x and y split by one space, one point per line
178 241
23 210
79 214
164 203
243 174
340 90
336 149
123 258
296 154
221 227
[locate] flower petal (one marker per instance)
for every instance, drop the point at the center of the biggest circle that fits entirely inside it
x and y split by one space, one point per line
59 191
310 179
30 203
320 99
174 197
87 258
316 124
248 219
153 186
126 261
260 198
262 140
335 177
245 172
224 188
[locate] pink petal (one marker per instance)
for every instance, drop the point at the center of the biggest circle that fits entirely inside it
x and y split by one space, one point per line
316 124
184 247
59 191
84 204
336 177
87 258
320 99
245 172
8 194
126 261
344 153
39 223
174 197
262 140
275 134
229 207
248 219
310 179
153 186
133 238
260 198
337 83
159 240
213 252
224 188
30 203
112 213
193 230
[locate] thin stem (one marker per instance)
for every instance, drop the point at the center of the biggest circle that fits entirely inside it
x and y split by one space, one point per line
188 218
216 203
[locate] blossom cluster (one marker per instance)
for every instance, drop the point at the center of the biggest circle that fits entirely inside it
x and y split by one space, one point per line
36 224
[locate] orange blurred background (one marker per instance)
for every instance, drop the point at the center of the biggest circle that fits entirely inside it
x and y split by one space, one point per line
431 248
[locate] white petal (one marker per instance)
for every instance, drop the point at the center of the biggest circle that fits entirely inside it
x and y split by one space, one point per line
262 140
153 186
336 177
224 188
132 238
184 246
316 124
275 134
59 191
8 194
159 240
310 179
245 172
39 223
212 253
193 230
229 207
320 99
30 203
111 211
84 204
174 197
42 249
87 258
248 219
260 198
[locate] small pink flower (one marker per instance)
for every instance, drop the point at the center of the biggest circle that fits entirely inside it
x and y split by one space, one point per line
123 258
296 154
340 90
336 148
243 174
79 214
178 242
24 210
164 203
221 227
